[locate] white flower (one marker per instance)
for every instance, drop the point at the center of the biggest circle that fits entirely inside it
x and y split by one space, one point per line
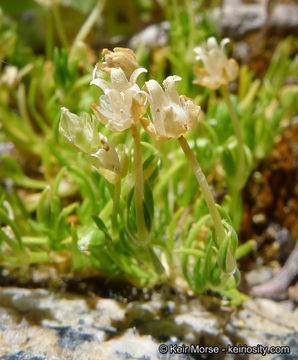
80 131
172 115
12 75
110 161
123 101
218 69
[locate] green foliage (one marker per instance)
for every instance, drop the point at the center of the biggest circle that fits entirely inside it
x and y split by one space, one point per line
53 201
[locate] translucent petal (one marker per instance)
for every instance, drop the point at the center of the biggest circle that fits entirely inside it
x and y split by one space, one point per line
134 76
115 99
170 88
101 83
105 102
224 42
102 115
157 97
158 120
212 43
118 79
232 69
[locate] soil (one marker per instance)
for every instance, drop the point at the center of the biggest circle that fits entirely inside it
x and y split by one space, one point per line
271 202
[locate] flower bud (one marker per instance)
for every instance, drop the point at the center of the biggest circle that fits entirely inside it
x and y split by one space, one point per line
226 258
79 131
44 211
110 161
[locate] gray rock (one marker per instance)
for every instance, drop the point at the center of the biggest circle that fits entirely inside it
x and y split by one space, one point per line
112 330
258 276
235 19
6 147
21 355
238 20
155 35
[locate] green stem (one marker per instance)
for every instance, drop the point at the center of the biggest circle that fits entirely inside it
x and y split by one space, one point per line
23 106
116 203
59 26
192 25
237 129
32 97
39 257
34 240
90 21
49 37
236 207
205 188
139 186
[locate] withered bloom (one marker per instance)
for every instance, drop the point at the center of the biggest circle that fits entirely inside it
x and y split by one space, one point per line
119 58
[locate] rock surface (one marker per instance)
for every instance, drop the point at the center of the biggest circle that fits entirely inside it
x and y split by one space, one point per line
40 324
235 19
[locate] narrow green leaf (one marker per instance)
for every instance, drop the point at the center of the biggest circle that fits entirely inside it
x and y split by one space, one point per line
101 225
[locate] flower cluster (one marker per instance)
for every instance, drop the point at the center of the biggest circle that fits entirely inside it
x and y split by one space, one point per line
124 103
121 106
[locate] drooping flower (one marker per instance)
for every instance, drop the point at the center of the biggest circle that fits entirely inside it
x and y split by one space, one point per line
123 102
123 58
218 69
172 115
111 161
79 131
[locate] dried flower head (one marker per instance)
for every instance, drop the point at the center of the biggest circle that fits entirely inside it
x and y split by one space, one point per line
123 102
79 131
172 115
110 161
119 58
218 69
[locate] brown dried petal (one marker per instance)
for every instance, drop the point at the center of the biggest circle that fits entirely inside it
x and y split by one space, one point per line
119 58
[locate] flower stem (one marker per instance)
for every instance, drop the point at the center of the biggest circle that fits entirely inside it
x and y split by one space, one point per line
59 25
192 26
143 235
139 186
205 188
116 203
236 125
49 36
